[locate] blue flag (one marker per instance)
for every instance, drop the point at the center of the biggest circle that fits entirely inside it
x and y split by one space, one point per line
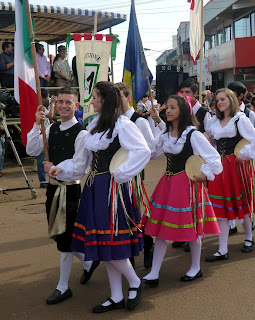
134 73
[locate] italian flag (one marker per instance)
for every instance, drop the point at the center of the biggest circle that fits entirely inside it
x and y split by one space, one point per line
24 75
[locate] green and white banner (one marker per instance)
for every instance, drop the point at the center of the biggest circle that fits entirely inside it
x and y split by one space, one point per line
92 62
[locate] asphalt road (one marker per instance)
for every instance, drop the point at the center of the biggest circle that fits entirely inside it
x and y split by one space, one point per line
29 269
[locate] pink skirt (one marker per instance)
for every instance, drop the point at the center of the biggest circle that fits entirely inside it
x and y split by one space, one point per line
179 211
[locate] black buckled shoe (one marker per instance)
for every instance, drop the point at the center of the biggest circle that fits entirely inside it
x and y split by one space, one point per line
131 303
178 244
57 297
232 231
113 306
188 278
151 283
247 249
87 274
147 259
217 258
186 247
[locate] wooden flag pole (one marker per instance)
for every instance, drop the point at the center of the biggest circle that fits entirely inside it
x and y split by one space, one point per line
37 81
143 58
201 52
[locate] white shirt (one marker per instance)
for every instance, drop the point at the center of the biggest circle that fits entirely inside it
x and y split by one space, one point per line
167 144
144 127
130 138
207 117
251 113
245 128
75 168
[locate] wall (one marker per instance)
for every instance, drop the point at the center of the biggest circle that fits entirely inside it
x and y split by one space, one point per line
228 77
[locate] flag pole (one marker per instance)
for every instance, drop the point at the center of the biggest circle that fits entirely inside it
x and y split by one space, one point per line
143 58
37 81
201 52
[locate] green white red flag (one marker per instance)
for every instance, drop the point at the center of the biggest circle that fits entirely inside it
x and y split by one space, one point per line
24 74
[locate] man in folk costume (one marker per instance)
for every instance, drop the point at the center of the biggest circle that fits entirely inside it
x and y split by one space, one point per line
144 127
65 141
190 88
240 90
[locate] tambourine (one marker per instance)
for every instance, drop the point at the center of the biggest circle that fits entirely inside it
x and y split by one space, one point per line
193 165
120 157
241 144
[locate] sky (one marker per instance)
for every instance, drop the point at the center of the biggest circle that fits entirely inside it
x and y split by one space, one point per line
158 21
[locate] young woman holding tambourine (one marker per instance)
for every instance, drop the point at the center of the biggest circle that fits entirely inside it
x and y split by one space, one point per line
107 226
180 208
231 193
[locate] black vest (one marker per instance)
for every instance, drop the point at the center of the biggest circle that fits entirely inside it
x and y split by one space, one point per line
226 146
102 158
135 116
201 112
61 143
176 162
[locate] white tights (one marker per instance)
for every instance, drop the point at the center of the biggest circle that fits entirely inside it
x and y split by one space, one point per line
160 251
224 229
115 269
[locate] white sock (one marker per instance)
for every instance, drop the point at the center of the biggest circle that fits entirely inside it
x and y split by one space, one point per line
86 264
159 252
247 225
66 261
195 249
223 237
232 224
126 268
115 280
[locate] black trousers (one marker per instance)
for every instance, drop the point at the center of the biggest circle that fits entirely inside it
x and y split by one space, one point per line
73 193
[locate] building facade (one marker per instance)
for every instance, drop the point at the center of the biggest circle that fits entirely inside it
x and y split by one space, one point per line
229 43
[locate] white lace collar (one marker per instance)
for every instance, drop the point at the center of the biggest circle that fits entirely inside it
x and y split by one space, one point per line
172 145
229 131
98 140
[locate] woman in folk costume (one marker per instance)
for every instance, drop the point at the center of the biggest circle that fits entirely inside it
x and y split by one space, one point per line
230 192
107 226
180 208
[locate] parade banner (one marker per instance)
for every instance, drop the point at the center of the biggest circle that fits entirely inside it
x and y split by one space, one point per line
196 28
92 62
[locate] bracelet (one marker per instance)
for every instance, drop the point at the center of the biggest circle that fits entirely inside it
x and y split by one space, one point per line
158 120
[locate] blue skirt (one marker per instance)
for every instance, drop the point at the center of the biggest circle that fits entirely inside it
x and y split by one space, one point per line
93 232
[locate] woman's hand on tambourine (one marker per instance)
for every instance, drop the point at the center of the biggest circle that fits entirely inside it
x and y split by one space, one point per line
199 179
54 172
239 160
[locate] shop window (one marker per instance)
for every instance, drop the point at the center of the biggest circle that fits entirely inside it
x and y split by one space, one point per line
213 41
243 27
253 24
228 33
206 47
220 37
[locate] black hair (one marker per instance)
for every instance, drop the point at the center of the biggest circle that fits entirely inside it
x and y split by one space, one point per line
186 118
253 101
249 95
237 87
5 45
112 107
44 93
68 90
38 46
189 83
